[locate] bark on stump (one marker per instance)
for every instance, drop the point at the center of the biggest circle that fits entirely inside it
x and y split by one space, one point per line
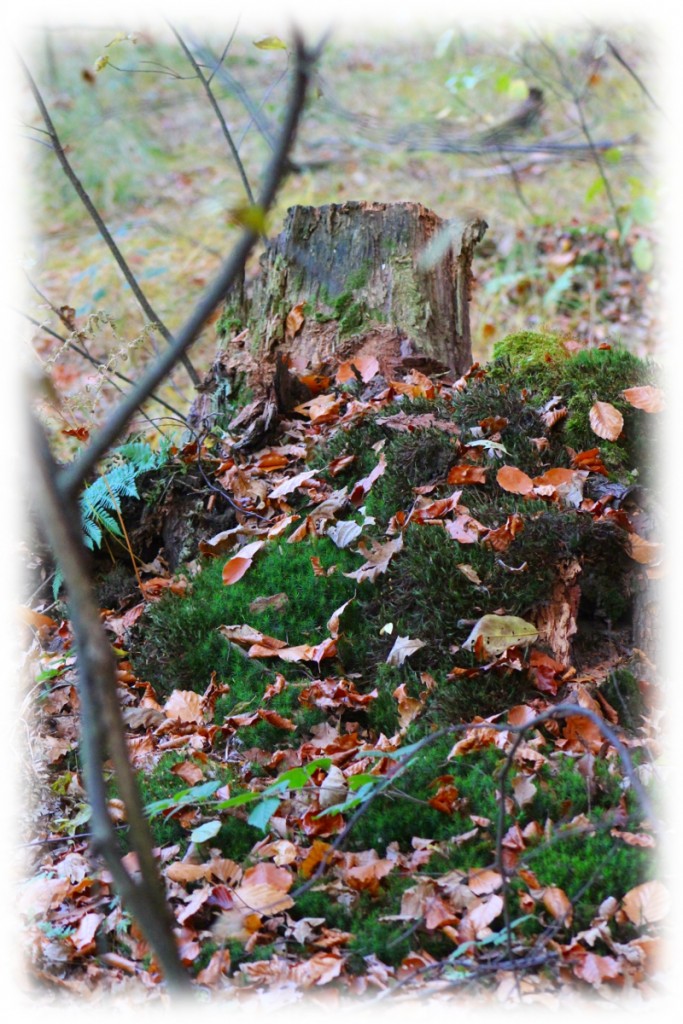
346 266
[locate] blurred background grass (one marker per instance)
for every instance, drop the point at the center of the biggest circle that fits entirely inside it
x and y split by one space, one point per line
562 249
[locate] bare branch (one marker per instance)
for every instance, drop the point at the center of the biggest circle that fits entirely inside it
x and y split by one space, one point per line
217 111
80 191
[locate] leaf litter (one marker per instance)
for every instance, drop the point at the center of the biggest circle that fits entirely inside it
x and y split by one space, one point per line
308 791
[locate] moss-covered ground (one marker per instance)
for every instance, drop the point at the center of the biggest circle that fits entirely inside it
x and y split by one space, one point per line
433 589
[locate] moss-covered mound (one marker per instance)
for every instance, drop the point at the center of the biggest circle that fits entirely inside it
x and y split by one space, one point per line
435 543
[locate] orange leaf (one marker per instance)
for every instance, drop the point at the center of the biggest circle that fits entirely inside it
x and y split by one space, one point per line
647 398
466 475
644 551
606 421
514 480
366 365
321 409
314 856
235 569
184 706
189 772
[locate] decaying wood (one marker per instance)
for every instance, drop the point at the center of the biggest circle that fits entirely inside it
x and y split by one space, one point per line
344 267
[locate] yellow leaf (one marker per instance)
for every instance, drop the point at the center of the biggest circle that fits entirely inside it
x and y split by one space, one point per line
498 632
270 43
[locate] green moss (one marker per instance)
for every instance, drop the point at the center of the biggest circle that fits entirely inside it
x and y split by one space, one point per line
589 868
528 347
178 641
397 818
231 321
413 460
622 690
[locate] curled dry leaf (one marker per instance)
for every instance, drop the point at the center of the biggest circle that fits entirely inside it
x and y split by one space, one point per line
647 397
333 788
606 421
291 484
408 707
295 320
403 647
557 903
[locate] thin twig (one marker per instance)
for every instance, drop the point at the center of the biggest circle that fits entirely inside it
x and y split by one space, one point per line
94 362
627 67
217 111
106 235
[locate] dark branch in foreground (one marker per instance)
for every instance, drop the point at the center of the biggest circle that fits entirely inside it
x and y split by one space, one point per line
102 730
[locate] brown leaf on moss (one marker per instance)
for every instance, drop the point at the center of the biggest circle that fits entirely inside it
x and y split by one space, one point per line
514 480
501 538
606 421
466 475
557 903
646 397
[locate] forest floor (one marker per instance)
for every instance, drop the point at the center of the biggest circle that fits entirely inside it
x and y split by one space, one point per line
356 786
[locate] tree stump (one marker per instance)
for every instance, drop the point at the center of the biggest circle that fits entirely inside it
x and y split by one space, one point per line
337 270
392 279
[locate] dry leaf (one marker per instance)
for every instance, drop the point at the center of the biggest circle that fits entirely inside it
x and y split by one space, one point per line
366 365
466 475
402 649
295 320
235 569
184 706
523 789
333 788
558 904
291 484
646 397
646 903
498 632
514 480
606 421
484 881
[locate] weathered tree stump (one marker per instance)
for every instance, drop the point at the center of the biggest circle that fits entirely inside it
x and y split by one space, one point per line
392 278
336 270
